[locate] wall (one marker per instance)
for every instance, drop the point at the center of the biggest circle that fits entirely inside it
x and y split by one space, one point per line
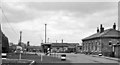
92 46
107 49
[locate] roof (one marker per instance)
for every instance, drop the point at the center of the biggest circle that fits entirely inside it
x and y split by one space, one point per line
34 47
59 44
65 44
106 33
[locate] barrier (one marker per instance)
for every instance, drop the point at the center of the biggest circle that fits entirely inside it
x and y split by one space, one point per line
63 57
4 55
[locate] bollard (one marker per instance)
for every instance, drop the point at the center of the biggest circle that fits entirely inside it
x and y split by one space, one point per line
4 55
63 57
41 57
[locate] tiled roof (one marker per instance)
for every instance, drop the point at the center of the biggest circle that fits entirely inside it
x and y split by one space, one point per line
59 44
34 47
65 44
106 33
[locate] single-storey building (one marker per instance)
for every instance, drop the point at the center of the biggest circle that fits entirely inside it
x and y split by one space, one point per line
101 42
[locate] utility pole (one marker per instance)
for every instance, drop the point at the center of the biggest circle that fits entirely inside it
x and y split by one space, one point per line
45 32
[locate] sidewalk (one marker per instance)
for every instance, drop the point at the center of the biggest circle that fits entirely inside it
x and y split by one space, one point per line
17 61
37 58
110 58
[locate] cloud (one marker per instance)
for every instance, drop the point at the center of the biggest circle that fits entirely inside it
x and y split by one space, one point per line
18 12
60 0
68 21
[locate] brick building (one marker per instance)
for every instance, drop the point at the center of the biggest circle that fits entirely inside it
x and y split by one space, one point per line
102 42
65 47
33 49
61 47
117 50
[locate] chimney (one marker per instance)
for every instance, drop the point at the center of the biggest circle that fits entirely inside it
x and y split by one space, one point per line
101 29
114 26
97 29
62 40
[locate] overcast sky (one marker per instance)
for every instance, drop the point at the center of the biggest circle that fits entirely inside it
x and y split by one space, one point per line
71 21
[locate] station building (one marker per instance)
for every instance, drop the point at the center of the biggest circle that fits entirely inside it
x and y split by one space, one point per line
103 42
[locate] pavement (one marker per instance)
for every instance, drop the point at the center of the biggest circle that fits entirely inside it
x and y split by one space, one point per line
110 58
71 58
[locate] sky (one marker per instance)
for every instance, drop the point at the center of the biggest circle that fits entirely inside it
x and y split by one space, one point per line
67 20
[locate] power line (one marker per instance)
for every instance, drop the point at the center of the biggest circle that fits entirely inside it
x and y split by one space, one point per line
8 21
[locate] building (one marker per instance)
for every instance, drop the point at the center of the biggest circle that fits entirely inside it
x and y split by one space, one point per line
101 42
79 49
12 47
33 49
117 50
45 46
60 47
64 47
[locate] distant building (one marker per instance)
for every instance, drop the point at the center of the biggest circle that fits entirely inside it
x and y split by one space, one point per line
64 47
33 49
60 47
79 49
23 45
45 46
12 47
102 41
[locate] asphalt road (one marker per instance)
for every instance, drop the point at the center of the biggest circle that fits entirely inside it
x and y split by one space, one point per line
72 59
82 59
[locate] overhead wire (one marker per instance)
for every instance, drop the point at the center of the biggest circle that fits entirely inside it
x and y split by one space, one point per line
8 22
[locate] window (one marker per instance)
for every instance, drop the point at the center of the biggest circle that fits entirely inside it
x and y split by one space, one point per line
96 46
118 43
110 43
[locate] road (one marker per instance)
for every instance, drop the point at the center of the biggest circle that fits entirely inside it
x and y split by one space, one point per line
81 58
72 59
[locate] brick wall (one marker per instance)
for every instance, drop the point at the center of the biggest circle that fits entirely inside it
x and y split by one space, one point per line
92 46
100 45
107 49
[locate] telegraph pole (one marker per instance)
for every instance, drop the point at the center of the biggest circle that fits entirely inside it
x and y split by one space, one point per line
45 32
